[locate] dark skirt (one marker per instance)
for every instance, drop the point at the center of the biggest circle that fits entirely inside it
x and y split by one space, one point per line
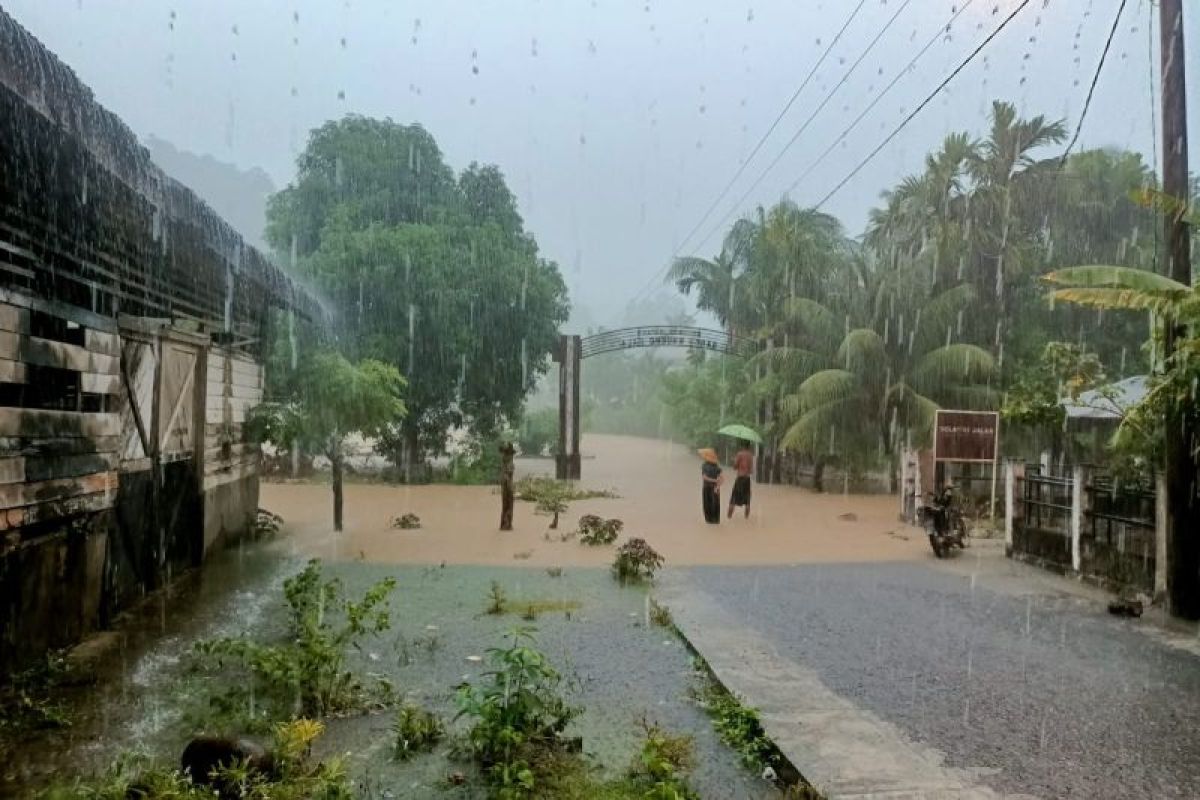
710 499
741 491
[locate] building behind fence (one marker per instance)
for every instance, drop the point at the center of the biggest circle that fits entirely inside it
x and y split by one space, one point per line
132 323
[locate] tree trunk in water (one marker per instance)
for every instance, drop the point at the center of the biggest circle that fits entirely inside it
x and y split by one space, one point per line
335 462
506 487
819 475
409 454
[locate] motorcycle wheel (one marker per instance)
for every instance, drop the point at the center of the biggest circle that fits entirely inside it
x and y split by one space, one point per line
934 542
960 530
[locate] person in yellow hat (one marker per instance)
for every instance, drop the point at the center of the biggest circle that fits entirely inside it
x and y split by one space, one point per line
710 492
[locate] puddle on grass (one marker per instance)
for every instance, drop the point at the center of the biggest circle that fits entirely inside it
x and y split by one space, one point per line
619 668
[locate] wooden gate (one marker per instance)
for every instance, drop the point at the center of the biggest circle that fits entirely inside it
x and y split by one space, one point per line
160 509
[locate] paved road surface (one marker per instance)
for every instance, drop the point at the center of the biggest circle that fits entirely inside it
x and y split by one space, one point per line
1027 691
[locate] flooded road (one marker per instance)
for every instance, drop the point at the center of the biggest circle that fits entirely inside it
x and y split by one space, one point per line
658 484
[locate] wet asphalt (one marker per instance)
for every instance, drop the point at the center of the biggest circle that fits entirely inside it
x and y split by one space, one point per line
1044 693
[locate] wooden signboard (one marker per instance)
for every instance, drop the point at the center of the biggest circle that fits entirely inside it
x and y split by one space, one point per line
966 436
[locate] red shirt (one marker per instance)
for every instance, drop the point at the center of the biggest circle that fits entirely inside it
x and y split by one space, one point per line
743 462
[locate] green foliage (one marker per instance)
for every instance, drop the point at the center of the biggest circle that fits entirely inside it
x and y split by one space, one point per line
663 764
660 615
429 272
1036 394
736 724
415 730
478 463
517 714
595 530
636 561
533 488
335 398
538 432
138 776
936 307
28 698
307 674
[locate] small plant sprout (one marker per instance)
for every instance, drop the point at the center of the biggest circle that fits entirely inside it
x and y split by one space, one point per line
497 599
415 730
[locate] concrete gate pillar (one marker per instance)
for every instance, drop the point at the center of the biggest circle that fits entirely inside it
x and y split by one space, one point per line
567 464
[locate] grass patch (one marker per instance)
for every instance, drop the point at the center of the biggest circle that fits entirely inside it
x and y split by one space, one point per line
499 603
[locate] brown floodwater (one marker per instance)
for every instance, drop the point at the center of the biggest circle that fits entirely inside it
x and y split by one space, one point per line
658 484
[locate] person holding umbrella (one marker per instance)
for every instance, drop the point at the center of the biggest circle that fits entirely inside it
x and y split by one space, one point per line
710 489
743 462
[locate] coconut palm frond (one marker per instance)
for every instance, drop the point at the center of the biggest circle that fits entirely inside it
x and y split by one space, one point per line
1093 276
794 360
814 319
950 365
811 432
862 350
826 386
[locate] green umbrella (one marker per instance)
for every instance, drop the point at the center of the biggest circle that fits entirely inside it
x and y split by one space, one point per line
741 432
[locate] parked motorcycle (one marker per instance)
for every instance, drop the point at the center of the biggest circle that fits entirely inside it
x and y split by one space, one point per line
944 522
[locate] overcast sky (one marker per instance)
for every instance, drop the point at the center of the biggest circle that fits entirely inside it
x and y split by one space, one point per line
617 122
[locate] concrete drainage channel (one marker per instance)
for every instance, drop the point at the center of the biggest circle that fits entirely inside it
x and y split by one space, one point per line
778 768
831 748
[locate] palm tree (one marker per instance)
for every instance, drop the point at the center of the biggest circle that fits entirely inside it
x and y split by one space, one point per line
1007 178
715 280
876 389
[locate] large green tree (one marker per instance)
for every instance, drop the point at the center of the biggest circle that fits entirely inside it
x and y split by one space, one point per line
431 272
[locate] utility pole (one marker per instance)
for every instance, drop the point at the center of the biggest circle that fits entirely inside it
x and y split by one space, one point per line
1183 515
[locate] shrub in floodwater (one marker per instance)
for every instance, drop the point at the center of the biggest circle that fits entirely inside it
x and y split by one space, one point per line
306 675
407 522
636 561
517 714
595 530
267 524
415 730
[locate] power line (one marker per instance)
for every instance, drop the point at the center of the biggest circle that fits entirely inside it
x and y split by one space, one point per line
829 96
924 103
758 146
1092 89
762 140
854 124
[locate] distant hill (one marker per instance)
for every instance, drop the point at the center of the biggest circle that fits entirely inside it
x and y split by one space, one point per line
240 196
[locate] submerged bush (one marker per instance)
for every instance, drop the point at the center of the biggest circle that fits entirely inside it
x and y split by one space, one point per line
595 530
306 675
636 561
